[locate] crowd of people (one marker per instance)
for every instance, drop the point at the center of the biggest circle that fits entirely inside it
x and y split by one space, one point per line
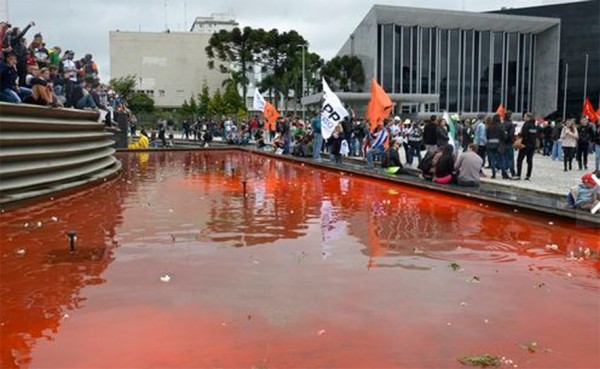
33 73
441 152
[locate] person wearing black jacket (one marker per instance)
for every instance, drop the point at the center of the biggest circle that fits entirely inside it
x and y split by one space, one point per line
586 132
14 39
596 142
441 134
528 135
391 159
507 152
9 89
495 142
430 135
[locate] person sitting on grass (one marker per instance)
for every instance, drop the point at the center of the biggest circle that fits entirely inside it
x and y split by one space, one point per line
586 195
391 159
467 167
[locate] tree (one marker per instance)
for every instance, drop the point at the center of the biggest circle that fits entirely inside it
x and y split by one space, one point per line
124 86
216 106
234 104
344 73
238 47
189 109
140 102
203 101
279 54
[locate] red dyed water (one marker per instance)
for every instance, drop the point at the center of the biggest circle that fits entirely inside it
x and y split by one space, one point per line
308 269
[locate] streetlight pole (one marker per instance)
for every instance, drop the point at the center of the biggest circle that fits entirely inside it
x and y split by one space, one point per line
303 46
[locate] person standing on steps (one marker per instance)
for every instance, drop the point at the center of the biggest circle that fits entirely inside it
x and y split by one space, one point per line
528 136
569 137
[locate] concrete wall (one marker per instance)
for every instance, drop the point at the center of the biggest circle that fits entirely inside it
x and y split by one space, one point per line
172 65
363 44
545 84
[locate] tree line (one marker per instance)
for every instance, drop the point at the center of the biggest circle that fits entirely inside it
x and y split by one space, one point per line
276 55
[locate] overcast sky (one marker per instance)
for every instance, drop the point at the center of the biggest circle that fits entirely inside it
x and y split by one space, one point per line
83 25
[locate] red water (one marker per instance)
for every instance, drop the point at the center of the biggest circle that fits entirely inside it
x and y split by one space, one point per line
312 269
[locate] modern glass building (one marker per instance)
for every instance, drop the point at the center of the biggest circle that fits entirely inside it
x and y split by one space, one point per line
579 49
474 61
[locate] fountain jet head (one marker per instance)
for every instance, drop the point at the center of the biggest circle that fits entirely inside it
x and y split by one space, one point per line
72 236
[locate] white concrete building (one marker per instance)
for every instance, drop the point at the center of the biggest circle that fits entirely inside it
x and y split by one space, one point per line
170 67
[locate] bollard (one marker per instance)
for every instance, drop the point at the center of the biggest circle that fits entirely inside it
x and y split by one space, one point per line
72 236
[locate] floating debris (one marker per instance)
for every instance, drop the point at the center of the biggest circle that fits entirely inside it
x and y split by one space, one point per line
321 332
482 361
463 304
39 224
454 266
165 278
21 251
55 219
550 223
418 251
552 247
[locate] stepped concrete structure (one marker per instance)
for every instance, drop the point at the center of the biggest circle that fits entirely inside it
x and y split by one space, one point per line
44 150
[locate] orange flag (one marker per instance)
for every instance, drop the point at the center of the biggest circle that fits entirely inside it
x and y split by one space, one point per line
380 105
271 114
501 111
598 113
588 111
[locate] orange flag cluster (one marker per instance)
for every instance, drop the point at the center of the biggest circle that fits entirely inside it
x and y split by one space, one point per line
380 105
588 111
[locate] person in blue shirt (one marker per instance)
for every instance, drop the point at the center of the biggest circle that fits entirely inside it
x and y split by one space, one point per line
317 137
377 145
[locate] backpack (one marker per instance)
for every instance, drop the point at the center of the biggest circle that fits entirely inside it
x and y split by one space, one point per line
415 135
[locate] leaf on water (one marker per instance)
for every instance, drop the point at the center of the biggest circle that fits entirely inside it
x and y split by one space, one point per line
482 361
454 266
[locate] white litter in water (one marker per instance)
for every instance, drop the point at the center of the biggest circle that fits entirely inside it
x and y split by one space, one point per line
256 262
569 275
21 251
65 316
165 278
550 223
170 210
321 332
39 224
55 219
26 225
553 247
486 321
448 324
463 304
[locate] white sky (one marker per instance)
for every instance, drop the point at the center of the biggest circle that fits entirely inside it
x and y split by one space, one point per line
83 25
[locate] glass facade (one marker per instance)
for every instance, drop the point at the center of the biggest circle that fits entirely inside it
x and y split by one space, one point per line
472 71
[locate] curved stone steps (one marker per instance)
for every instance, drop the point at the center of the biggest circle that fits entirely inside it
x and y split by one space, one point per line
44 150
41 138
17 153
26 182
102 175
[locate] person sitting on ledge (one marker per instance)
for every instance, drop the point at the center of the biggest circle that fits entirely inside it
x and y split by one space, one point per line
391 159
586 195
9 89
82 97
467 167
443 167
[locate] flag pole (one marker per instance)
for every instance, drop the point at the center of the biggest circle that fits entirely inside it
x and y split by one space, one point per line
564 116
585 79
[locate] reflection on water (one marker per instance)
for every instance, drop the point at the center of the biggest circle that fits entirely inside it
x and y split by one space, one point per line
169 211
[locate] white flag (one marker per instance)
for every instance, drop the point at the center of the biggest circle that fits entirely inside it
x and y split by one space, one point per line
259 101
333 111
449 121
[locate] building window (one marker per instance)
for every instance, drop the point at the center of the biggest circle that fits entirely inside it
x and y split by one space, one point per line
161 93
150 93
